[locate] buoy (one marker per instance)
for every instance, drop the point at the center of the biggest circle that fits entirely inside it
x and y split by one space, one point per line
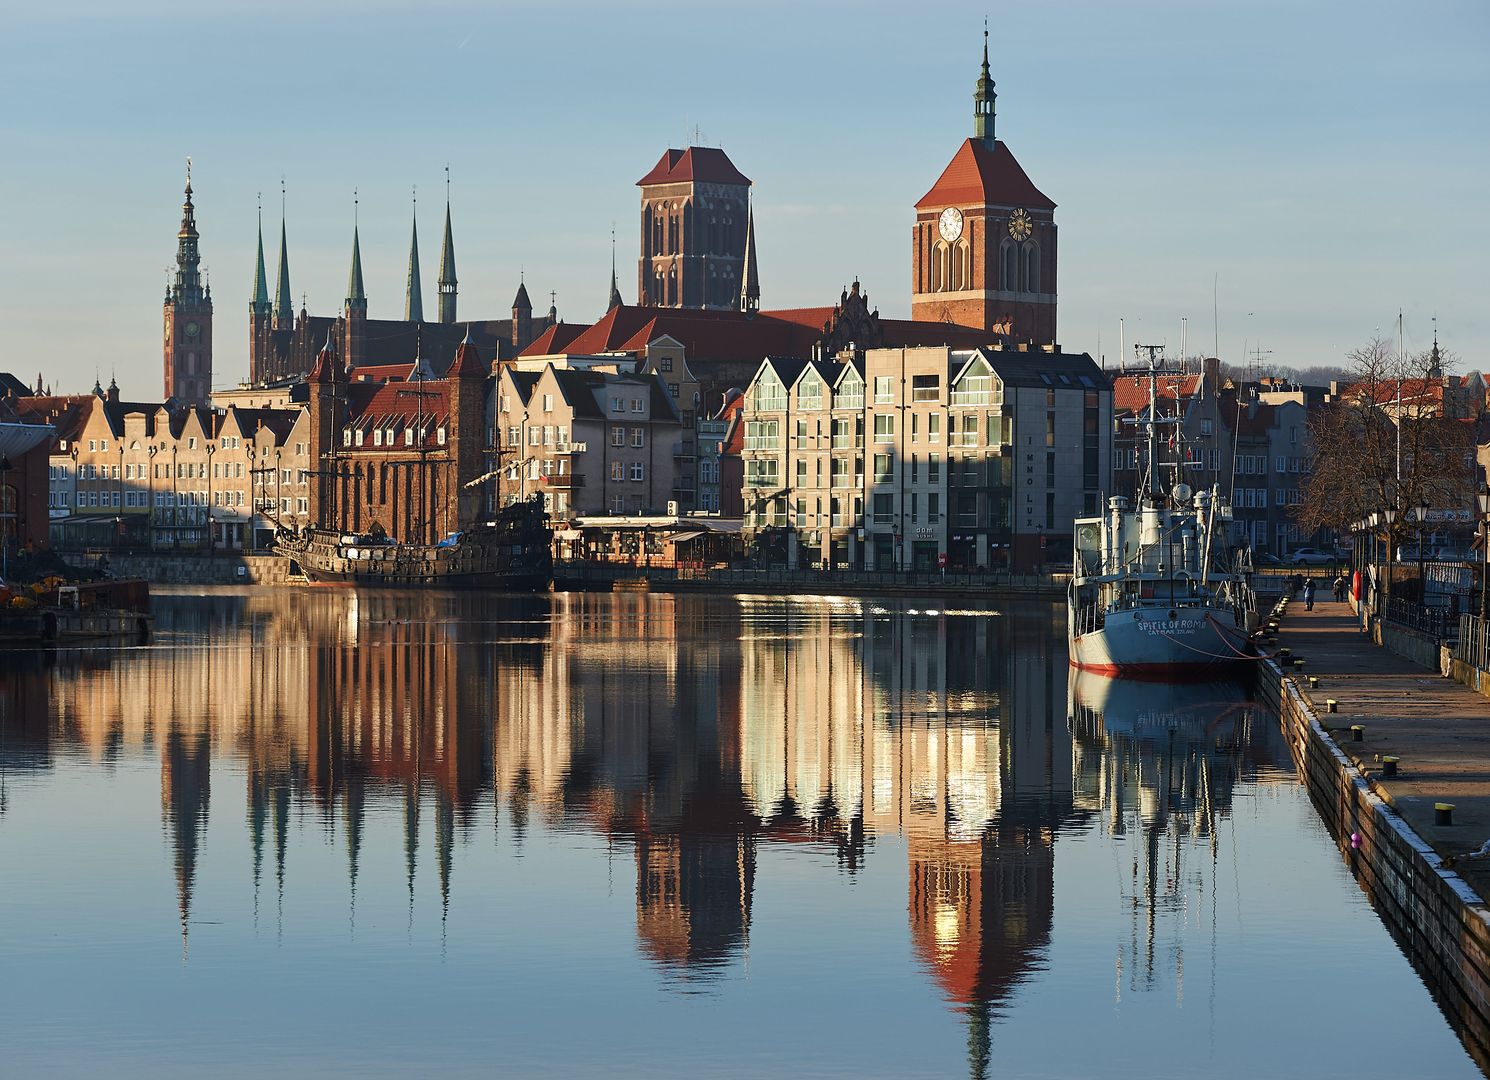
1357 732
1443 813
1355 841
1388 766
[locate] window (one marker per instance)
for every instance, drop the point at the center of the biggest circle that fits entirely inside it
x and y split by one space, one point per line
408 436
975 388
548 403
801 472
884 427
440 436
638 470
840 473
934 469
882 391
884 469
1050 429
1281 464
934 428
1205 427
191 443
617 470
636 404
933 508
840 434
926 387
769 394
762 435
617 405
884 512
851 392
563 437
810 396
666 363
618 436
801 435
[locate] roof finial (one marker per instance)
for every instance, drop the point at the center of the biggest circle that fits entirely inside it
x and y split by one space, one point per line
356 207
188 175
983 99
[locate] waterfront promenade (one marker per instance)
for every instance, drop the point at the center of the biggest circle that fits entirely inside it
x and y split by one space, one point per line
1438 729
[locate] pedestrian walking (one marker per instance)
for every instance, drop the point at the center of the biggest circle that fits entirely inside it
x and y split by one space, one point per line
1309 595
1339 588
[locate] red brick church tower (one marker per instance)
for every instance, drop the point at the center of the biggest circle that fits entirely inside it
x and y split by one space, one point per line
984 241
188 316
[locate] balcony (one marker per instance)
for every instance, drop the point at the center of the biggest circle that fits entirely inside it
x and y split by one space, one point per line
563 481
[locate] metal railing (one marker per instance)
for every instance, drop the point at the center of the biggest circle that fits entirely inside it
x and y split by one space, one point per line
848 580
1434 622
1473 646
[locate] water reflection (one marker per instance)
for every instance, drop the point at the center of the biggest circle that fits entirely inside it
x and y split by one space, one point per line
690 734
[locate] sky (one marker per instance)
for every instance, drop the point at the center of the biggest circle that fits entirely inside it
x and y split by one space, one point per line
1279 179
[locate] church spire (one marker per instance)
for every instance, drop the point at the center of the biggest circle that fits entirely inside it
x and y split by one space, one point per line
284 309
414 301
983 100
187 287
750 283
447 262
356 294
615 292
259 305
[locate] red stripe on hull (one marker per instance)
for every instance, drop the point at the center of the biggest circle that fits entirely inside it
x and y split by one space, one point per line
1161 672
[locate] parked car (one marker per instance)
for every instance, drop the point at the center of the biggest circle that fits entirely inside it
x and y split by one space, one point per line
1308 556
1408 553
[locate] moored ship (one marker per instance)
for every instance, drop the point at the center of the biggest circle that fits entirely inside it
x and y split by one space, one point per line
513 550
1155 589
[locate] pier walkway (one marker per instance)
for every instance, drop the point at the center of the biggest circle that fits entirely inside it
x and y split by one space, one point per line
1438 729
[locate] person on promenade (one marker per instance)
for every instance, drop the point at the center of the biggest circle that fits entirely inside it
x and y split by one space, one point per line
1309 594
1339 588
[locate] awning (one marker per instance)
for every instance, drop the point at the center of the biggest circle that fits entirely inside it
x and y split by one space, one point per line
683 538
569 535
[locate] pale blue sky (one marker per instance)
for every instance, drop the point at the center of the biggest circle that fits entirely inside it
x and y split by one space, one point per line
1328 161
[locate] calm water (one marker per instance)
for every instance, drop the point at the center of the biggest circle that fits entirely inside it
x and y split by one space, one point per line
326 832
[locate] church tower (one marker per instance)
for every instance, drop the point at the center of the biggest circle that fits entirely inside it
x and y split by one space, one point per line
188 316
695 204
984 242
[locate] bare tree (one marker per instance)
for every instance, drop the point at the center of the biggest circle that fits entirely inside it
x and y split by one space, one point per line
1396 437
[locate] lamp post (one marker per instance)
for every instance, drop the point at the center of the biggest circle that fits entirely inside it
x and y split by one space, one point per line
1421 512
1389 515
1483 498
211 449
150 499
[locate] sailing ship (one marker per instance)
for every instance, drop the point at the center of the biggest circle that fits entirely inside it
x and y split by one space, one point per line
1155 589
511 550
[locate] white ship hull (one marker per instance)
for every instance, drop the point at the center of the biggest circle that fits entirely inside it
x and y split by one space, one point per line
1162 642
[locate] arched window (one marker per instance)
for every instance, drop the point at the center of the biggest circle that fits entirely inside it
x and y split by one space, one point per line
1009 260
964 264
1031 257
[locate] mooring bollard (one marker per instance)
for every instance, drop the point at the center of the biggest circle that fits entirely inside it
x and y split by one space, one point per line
1443 813
1313 681
1331 705
1357 732
1285 652
1388 766
1298 662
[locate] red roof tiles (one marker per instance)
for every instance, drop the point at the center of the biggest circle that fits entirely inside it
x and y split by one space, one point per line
979 175
698 163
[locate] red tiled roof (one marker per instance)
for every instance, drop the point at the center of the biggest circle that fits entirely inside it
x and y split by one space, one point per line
1130 393
381 372
702 163
555 339
1385 392
979 175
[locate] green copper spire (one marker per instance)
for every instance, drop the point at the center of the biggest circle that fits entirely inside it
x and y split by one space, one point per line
447 263
983 101
259 305
356 294
284 312
414 304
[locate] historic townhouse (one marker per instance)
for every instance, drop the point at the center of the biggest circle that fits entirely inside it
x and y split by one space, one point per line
592 441
924 457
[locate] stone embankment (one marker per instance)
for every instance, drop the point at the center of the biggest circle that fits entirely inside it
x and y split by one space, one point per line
1397 761
193 569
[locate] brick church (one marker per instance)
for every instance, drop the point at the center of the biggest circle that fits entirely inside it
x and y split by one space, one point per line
984 242
284 344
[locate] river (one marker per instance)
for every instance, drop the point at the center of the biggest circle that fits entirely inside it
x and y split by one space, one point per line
319 831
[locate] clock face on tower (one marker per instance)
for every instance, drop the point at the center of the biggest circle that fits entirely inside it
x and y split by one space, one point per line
192 329
1020 225
950 224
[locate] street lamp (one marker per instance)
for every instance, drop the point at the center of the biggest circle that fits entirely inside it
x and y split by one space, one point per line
1421 510
1389 516
1483 498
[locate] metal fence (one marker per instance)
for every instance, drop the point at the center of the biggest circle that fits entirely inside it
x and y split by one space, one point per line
1473 646
778 580
1437 622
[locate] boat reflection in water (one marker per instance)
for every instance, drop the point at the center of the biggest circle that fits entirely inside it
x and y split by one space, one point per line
1158 764
759 801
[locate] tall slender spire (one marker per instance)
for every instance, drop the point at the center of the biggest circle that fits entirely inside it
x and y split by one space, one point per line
615 292
750 282
284 309
447 262
187 286
414 301
983 100
260 305
356 294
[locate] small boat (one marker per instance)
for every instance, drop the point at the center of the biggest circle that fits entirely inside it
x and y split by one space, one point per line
512 550
1155 591
58 613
